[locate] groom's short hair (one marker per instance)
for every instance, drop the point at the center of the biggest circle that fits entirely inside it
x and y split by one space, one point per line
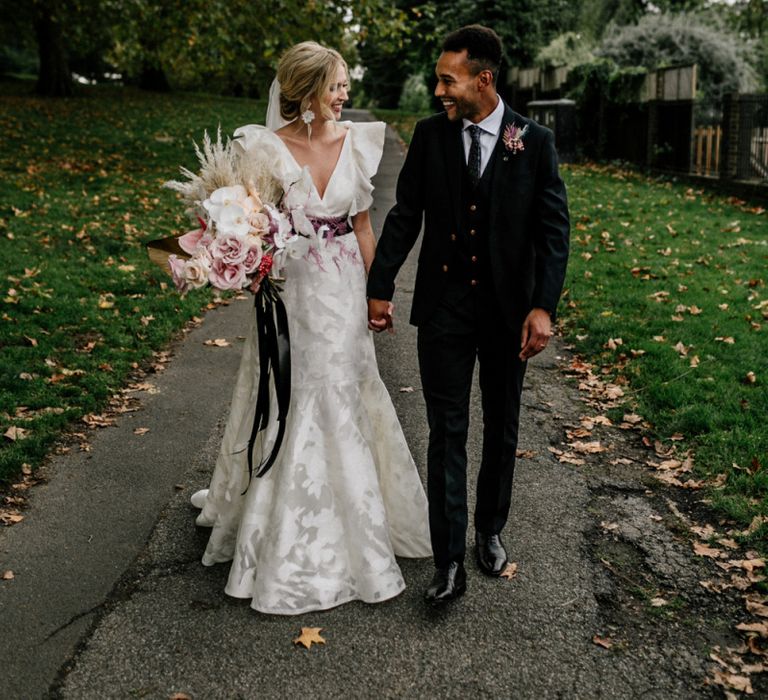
483 46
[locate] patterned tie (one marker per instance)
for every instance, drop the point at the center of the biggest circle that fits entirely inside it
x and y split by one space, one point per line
473 162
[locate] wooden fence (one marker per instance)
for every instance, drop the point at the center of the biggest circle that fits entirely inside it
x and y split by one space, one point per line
706 150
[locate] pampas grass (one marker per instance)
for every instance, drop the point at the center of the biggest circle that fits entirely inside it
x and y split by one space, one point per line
223 164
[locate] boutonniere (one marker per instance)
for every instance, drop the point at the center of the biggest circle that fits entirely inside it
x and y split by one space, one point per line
513 138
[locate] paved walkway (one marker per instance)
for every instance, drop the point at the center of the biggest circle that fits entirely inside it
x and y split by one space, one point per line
110 599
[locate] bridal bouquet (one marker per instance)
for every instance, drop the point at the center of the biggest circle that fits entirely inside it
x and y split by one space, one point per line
242 235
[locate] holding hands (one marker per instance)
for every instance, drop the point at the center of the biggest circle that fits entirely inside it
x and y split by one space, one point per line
380 315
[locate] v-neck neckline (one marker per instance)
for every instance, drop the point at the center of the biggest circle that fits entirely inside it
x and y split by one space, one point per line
309 170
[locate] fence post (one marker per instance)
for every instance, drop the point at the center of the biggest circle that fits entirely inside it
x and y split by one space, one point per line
653 132
730 140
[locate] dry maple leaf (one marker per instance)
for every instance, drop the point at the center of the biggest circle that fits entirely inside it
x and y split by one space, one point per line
7 575
525 454
510 571
217 342
309 636
406 389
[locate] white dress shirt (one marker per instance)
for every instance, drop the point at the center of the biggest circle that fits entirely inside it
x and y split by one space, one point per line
491 126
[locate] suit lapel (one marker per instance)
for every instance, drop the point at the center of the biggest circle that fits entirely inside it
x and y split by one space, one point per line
454 164
503 168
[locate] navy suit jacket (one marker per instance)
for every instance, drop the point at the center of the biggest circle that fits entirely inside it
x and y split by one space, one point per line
529 227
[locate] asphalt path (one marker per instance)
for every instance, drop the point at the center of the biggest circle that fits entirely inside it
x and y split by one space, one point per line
109 597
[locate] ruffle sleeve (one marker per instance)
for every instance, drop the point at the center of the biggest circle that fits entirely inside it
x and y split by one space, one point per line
367 141
264 153
250 136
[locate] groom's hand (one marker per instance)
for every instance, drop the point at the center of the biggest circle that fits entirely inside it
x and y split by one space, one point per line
380 315
537 330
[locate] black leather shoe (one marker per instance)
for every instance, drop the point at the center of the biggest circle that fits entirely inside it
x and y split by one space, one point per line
447 584
491 555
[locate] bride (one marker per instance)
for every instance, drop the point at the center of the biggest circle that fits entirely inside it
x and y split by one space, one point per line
324 525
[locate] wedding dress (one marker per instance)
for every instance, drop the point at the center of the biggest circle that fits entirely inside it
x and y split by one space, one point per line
324 525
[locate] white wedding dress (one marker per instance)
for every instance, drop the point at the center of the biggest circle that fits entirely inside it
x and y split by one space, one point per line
324 525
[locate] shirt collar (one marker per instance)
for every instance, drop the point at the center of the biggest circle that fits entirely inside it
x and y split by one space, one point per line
492 123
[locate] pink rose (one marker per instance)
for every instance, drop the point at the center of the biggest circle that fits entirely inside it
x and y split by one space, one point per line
227 276
177 273
252 259
229 248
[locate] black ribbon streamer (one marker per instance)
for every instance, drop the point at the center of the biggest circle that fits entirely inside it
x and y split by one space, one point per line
274 361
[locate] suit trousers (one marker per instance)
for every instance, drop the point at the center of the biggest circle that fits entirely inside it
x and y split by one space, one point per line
469 325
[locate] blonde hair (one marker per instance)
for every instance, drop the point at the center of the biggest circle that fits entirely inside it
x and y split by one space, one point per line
306 71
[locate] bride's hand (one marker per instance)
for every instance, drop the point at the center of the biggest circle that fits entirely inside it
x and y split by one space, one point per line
380 315
254 287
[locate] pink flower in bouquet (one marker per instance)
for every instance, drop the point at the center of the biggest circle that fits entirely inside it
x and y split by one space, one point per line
190 240
197 269
227 276
229 248
177 273
253 258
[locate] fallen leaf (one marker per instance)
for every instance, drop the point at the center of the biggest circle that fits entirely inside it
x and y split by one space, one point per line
10 518
609 527
704 550
180 696
406 389
7 575
728 340
750 378
731 680
632 418
140 431
217 342
591 447
568 458
658 602
760 628
15 433
309 636
525 454
602 642
756 608
510 571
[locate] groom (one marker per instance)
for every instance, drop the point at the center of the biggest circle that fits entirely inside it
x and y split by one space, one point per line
485 182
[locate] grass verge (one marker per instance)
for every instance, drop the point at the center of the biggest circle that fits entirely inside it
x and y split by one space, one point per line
666 294
80 192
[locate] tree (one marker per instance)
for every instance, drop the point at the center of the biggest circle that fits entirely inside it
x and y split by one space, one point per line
724 59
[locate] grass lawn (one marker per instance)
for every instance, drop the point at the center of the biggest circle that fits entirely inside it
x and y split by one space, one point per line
80 192
678 275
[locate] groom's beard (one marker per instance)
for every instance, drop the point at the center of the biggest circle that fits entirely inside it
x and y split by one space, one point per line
462 109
